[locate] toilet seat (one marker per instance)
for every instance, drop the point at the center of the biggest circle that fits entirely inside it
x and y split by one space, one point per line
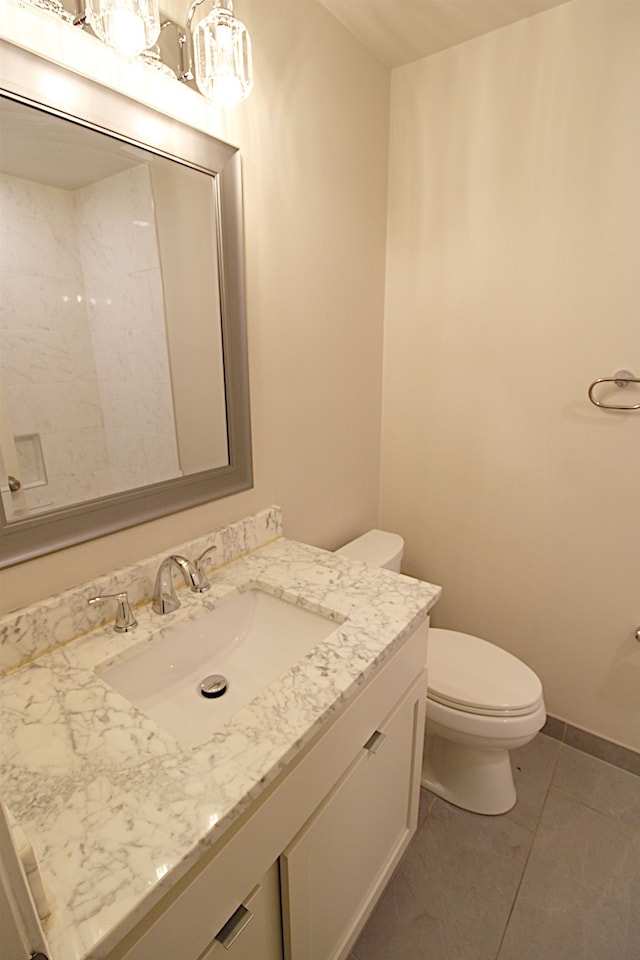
474 676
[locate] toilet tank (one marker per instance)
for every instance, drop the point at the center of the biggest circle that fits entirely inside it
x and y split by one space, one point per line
378 548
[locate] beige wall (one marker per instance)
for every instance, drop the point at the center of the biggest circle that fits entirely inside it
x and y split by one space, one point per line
512 284
314 136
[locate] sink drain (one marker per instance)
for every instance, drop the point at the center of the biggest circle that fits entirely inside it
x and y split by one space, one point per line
213 686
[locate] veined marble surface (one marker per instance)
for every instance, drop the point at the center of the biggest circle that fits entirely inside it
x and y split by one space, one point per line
115 808
32 631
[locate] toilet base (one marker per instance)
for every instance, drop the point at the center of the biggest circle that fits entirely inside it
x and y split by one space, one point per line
473 778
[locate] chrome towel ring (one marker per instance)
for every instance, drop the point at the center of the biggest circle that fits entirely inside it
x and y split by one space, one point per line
621 379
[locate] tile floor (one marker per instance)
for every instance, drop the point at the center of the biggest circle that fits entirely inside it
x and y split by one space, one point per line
557 878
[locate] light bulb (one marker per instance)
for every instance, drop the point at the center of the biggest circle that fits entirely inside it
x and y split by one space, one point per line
131 26
126 33
227 91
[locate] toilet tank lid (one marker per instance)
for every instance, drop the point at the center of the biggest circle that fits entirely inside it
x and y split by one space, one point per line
378 548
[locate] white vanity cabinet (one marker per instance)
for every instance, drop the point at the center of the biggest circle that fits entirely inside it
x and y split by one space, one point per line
311 856
335 869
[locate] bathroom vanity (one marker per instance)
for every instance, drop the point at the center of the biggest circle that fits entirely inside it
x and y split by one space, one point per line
310 856
272 838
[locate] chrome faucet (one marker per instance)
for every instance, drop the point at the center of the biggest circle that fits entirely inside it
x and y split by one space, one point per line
164 594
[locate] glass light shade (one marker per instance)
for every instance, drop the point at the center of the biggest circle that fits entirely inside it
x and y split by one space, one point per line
130 26
53 7
153 59
222 57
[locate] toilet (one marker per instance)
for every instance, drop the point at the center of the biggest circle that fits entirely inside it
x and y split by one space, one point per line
482 702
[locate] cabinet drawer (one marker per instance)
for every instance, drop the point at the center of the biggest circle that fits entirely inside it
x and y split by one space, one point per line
334 870
255 930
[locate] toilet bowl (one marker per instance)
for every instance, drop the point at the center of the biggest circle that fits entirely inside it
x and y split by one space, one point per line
482 702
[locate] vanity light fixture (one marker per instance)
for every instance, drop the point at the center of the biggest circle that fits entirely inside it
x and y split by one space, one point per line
213 50
219 50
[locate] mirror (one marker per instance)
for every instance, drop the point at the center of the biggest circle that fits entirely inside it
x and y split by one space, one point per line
123 366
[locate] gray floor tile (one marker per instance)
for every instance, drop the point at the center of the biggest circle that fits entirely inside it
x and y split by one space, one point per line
533 767
580 895
451 896
427 800
569 850
599 785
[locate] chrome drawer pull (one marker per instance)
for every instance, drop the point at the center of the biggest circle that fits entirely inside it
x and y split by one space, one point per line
234 926
375 741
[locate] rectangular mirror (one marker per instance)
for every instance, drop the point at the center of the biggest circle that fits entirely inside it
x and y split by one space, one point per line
123 365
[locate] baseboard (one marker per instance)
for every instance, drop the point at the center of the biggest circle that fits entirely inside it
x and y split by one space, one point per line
606 750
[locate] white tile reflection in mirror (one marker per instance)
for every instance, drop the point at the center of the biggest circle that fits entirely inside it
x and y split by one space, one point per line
93 352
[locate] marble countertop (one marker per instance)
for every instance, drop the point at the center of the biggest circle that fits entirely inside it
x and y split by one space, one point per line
116 809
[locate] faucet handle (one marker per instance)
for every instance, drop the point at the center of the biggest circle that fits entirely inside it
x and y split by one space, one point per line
199 562
125 620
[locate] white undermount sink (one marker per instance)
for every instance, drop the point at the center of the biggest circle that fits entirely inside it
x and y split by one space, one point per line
250 639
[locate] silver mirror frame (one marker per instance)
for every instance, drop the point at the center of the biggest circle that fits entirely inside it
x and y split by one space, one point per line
28 78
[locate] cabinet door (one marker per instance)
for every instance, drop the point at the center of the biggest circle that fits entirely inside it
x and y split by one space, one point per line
335 869
255 930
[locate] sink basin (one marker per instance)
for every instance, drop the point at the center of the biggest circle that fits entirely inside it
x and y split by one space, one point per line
250 639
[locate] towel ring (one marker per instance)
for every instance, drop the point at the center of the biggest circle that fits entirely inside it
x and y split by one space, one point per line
621 379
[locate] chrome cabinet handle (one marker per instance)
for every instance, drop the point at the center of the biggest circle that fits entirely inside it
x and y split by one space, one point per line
375 742
234 926
125 620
